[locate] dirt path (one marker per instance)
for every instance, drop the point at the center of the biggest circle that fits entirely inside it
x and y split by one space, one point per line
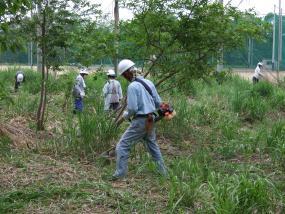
269 75
243 72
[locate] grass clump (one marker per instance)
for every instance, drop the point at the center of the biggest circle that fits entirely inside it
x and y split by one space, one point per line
263 89
196 187
14 200
241 194
251 106
5 145
276 143
179 127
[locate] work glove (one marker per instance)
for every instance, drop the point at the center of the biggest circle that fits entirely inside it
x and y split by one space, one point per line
82 94
125 115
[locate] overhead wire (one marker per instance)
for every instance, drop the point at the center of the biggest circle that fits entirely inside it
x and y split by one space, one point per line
240 3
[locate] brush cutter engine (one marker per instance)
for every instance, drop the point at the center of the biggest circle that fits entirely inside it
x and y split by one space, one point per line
165 111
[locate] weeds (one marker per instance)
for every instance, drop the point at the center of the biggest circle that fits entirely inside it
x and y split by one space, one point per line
226 137
180 127
250 106
92 131
195 186
20 198
276 143
263 89
241 194
5 144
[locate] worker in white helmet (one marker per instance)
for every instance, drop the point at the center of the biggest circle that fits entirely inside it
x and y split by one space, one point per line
142 102
19 78
79 90
257 73
112 92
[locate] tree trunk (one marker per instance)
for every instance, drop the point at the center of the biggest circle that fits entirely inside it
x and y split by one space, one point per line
117 32
43 99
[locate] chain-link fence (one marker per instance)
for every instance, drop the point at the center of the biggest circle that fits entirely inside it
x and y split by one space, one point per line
245 57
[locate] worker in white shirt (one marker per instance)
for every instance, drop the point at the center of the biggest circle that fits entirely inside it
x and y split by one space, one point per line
112 92
257 73
79 90
19 78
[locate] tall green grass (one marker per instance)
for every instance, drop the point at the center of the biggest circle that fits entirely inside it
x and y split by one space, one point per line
196 186
5 143
173 129
226 146
92 131
276 143
17 199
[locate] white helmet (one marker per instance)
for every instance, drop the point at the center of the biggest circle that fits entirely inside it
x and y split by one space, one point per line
83 71
260 64
111 73
124 65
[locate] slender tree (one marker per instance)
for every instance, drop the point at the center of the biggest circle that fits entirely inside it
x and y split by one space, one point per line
53 28
185 36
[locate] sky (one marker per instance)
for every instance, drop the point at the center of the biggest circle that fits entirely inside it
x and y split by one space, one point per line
262 7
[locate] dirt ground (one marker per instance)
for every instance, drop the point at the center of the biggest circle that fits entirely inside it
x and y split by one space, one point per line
271 76
64 68
245 73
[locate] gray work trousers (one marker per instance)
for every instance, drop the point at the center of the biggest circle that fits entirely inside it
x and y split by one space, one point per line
135 132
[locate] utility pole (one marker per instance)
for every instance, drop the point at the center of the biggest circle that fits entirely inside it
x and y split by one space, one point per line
252 43
31 44
273 42
39 33
221 51
117 32
280 40
249 52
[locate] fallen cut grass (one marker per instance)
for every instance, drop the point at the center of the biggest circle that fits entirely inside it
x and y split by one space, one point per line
20 198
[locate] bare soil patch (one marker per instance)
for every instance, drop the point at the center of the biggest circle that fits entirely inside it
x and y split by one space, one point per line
18 132
270 76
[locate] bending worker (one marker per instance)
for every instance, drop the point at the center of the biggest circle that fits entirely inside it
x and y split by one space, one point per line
19 78
79 90
142 101
112 92
257 73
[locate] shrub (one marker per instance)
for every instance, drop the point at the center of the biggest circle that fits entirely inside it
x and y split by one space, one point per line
223 76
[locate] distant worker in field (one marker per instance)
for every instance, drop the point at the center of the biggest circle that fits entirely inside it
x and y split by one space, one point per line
79 90
19 78
112 92
142 102
257 73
